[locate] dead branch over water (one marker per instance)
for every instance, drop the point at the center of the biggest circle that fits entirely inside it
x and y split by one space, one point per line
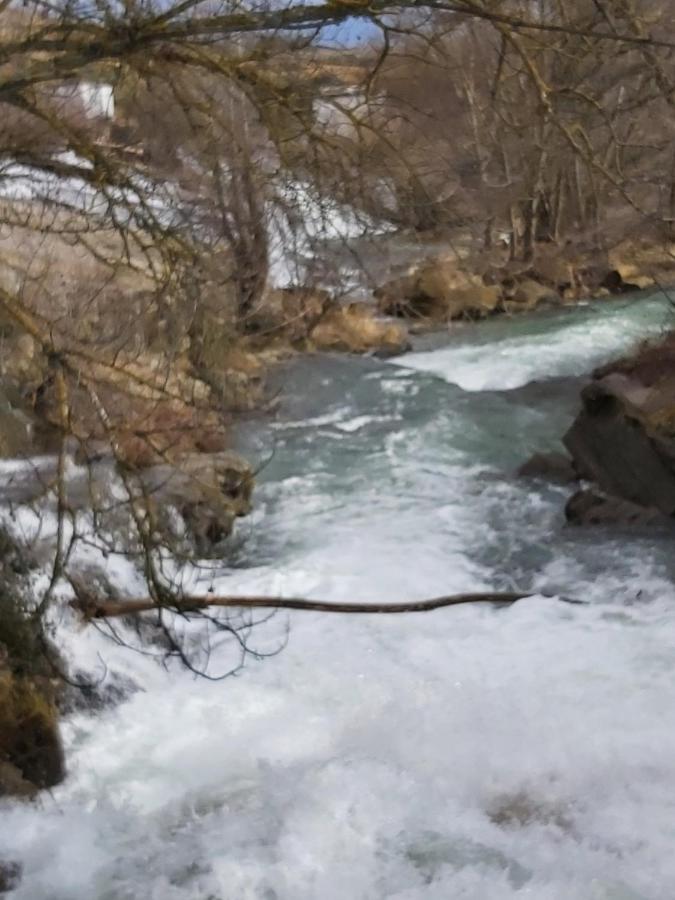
92 607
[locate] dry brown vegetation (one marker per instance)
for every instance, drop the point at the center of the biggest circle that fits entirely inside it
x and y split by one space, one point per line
525 136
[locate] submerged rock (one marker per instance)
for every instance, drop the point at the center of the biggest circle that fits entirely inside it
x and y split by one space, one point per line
520 809
10 876
592 507
556 467
432 851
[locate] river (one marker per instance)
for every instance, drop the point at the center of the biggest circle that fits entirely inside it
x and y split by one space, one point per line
474 752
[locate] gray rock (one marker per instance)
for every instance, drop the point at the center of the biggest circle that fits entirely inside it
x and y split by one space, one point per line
10 876
555 467
616 444
592 507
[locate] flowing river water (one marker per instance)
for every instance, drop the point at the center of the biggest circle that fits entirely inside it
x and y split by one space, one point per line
474 752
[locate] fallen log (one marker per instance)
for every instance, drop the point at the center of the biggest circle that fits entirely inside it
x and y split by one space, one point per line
91 607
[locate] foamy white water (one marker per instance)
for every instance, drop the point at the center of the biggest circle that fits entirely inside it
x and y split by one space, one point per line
526 752
570 342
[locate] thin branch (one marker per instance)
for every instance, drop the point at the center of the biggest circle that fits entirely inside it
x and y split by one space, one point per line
92 607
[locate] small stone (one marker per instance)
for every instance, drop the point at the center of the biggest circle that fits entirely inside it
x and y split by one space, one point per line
592 507
556 467
10 876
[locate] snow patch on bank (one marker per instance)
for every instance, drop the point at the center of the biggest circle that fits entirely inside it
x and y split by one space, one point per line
303 223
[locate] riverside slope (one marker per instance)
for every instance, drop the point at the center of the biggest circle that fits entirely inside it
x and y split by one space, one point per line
477 753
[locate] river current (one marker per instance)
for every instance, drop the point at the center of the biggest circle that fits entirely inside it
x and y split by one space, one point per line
474 752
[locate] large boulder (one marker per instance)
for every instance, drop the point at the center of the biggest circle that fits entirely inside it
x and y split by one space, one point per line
438 290
31 754
643 262
195 499
356 328
624 437
475 301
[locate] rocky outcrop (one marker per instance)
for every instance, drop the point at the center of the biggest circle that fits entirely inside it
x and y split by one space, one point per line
288 320
458 286
617 441
356 328
446 287
623 439
555 267
438 290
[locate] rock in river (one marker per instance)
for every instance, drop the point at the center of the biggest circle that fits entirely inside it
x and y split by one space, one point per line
624 437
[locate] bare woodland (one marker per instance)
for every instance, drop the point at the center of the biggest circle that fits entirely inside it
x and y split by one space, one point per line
137 295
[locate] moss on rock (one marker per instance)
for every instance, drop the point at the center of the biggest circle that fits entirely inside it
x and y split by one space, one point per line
31 754
29 736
